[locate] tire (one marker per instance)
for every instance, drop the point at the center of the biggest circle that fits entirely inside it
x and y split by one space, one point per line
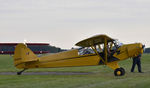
119 72
123 70
18 73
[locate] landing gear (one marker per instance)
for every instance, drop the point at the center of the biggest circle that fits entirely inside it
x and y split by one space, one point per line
119 72
123 70
19 73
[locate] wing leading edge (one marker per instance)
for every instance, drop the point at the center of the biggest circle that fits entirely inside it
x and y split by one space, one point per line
95 40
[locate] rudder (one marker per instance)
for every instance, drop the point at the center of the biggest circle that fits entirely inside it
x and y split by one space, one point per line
23 55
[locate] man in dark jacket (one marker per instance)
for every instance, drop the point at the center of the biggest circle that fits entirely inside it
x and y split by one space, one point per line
137 60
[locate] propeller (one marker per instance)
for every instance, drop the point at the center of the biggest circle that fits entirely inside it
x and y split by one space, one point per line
25 42
143 46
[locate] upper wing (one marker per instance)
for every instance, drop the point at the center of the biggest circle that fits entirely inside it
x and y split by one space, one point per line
98 39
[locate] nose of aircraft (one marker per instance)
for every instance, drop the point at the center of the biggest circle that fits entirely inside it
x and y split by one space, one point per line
142 48
135 49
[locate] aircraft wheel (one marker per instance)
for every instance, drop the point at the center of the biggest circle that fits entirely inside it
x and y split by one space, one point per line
19 73
119 72
123 70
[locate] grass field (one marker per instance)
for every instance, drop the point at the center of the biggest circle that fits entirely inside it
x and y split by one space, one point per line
100 77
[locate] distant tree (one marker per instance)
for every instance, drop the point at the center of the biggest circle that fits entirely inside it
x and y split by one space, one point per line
147 50
51 49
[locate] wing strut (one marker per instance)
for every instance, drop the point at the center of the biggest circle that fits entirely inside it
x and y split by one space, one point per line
94 49
105 49
99 47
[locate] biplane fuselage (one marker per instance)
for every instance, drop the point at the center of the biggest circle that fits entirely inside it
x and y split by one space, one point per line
24 58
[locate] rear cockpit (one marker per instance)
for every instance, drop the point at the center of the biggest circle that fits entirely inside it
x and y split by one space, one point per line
85 51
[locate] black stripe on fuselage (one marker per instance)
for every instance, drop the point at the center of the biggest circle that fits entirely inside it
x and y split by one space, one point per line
68 58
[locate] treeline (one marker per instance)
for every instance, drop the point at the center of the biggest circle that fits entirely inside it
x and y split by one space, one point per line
37 48
147 50
50 49
53 49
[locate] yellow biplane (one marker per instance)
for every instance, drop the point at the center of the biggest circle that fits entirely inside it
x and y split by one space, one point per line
97 50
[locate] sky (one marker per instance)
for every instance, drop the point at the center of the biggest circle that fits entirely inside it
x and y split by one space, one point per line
63 23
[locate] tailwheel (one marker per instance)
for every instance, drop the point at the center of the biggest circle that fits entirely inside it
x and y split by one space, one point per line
19 73
119 72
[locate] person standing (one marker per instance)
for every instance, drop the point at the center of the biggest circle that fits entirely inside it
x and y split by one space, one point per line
137 61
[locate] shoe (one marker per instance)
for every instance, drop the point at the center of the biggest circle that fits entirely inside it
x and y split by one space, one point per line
141 72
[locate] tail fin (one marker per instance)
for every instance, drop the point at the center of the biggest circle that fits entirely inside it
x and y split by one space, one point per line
23 55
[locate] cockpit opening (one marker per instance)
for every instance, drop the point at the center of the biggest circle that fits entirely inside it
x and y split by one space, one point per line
99 48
